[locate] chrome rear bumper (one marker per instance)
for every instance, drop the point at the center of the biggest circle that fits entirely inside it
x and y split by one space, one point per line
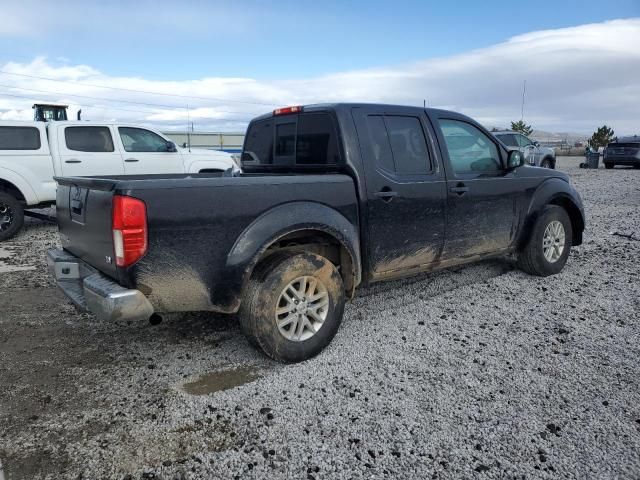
93 292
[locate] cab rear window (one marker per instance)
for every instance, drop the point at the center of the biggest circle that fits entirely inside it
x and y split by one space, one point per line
304 140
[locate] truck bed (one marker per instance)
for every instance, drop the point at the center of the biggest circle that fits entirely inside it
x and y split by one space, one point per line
194 223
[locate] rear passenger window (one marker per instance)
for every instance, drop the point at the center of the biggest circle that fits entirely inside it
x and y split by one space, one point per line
19 138
89 139
408 145
509 140
379 143
398 144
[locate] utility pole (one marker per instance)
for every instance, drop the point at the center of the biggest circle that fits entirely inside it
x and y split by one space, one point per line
188 128
524 90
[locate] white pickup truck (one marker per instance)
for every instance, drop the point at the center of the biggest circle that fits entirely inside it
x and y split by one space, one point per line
32 153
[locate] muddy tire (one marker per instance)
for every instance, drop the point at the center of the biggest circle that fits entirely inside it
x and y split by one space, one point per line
11 216
549 244
293 306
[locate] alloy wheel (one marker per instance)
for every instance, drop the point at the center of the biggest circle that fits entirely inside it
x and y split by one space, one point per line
302 308
6 216
553 241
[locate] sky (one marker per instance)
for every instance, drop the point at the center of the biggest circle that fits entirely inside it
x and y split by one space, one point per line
218 64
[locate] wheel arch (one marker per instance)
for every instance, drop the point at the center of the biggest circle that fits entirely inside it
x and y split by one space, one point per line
12 189
287 227
575 215
555 191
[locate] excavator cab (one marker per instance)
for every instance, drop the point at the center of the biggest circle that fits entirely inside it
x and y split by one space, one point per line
43 112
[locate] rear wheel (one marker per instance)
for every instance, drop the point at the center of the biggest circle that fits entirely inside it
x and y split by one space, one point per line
11 216
293 306
546 163
548 247
608 166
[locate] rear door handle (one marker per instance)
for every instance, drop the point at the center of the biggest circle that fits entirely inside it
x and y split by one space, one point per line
386 195
131 160
460 189
73 161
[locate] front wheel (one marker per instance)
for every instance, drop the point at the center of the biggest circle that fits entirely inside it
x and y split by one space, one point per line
11 216
546 163
548 247
293 306
608 166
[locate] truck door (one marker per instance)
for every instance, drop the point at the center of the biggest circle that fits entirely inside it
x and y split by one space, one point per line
88 150
405 214
146 152
482 195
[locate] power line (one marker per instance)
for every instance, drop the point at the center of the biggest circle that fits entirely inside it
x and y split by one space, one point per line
138 91
173 107
108 107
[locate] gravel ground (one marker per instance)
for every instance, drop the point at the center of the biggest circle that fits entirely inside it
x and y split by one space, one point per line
479 371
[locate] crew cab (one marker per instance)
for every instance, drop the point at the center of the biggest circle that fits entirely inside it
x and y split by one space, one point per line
32 153
331 197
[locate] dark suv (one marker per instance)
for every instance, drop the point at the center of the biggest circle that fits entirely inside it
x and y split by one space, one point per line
624 151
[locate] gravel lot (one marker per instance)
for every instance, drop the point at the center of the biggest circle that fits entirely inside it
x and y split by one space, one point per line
479 371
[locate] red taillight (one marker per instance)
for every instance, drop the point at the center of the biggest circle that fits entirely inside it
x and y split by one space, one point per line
287 110
129 226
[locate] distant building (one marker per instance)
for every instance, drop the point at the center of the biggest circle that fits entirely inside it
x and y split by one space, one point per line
228 142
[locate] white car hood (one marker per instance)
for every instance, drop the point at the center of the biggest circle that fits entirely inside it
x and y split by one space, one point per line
202 158
204 154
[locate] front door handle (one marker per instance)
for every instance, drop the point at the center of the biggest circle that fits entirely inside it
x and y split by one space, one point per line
460 189
131 160
73 161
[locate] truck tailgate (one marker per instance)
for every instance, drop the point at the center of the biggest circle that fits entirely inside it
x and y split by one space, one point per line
84 220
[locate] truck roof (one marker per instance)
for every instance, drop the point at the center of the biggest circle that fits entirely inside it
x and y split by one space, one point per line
20 123
320 107
75 123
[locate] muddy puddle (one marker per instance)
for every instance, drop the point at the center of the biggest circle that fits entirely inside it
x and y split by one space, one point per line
222 380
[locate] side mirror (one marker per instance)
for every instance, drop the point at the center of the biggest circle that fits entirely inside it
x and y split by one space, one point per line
537 144
515 159
171 147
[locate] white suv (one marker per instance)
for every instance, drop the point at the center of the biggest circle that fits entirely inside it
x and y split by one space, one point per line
32 153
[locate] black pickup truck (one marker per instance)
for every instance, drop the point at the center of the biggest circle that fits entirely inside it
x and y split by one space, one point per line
331 197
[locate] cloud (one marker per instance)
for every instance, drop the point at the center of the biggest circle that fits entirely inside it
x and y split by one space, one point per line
577 79
191 18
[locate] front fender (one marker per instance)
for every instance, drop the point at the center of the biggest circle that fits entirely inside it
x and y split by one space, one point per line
21 184
282 220
555 191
